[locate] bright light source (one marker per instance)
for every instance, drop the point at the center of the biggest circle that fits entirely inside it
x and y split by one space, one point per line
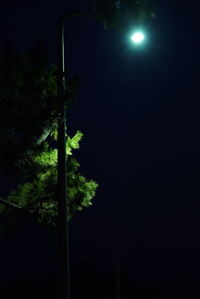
137 37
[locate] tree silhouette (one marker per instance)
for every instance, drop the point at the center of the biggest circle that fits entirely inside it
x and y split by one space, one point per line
29 117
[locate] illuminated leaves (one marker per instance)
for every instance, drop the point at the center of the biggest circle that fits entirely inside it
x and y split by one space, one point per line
47 158
38 194
73 143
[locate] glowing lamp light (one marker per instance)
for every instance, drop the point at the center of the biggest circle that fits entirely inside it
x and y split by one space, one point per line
137 37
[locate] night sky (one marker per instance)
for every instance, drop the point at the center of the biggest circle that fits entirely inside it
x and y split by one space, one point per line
139 112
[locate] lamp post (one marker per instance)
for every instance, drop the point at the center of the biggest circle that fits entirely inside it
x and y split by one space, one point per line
62 224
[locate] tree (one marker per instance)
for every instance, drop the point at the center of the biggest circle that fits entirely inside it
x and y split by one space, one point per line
29 117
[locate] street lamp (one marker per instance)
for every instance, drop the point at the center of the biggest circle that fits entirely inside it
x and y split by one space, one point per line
62 225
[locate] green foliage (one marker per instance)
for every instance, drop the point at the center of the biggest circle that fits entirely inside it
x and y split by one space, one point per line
46 158
73 143
81 190
38 196
29 117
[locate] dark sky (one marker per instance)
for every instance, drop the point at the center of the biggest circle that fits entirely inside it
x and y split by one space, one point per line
139 112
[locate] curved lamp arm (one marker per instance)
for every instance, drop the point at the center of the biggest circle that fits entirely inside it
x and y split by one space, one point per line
61 38
61 43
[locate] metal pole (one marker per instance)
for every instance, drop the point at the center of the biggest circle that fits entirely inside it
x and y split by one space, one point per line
118 283
62 225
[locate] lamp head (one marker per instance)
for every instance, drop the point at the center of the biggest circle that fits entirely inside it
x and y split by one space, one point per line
137 37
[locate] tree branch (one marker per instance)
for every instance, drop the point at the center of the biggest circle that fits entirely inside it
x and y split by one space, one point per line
10 204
